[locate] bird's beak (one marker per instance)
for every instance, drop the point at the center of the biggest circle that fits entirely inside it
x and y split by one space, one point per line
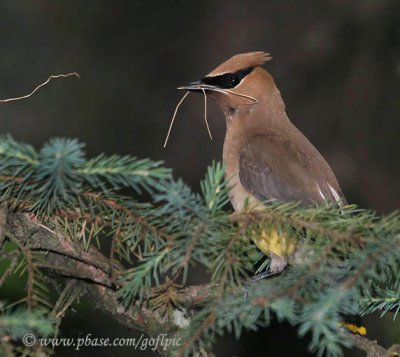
196 86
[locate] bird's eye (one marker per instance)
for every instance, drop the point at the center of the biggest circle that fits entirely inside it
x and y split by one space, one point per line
227 80
233 80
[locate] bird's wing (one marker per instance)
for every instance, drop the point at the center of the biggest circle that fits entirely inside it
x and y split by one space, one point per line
272 167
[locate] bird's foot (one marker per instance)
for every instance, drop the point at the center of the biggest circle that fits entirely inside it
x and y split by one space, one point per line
277 266
265 275
261 276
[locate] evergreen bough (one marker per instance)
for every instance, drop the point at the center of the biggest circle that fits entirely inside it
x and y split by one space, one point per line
352 266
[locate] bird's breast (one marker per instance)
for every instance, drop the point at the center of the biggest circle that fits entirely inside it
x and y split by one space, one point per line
234 140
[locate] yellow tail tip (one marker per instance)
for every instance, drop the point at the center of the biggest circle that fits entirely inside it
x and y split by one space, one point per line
360 330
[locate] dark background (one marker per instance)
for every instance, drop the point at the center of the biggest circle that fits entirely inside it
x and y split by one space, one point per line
336 62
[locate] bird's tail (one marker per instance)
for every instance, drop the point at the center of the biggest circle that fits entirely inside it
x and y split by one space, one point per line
354 324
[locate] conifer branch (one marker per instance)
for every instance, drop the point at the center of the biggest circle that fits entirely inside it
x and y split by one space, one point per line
60 204
90 268
91 271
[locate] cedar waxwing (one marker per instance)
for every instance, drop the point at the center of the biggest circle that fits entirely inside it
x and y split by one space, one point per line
265 156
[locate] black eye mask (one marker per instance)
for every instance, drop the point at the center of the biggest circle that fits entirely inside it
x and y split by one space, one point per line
227 80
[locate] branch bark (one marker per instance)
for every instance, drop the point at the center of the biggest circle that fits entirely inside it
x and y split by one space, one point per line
66 258
372 349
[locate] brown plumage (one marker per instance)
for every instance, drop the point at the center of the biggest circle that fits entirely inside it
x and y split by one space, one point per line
265 155
241 61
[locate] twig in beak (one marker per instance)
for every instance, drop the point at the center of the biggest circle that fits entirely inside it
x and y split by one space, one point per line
236 93
205 113
173 118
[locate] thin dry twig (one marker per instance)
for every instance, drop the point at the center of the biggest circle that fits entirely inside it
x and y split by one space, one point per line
224 90
205 113
203 89
54 76
173 118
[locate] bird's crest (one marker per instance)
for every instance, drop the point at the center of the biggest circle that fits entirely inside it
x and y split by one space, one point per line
241 61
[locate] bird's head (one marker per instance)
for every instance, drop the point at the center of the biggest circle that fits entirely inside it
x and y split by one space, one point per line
238 82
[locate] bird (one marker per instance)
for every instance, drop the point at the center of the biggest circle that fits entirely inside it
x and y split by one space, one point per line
265 156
